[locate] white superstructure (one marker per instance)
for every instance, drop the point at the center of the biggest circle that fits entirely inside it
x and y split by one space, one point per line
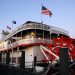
27 37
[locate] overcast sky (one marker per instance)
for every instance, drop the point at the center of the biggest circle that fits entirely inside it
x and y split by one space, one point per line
63 13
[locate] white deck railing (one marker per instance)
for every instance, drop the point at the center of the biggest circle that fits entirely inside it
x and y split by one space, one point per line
28 41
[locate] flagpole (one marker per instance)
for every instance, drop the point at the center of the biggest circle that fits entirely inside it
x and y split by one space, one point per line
12 42
42 21
41 14
12 27
13 22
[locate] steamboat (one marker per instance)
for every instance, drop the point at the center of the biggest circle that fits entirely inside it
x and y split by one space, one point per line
35 46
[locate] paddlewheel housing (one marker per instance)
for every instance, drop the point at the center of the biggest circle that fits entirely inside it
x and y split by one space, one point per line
63 42
51 52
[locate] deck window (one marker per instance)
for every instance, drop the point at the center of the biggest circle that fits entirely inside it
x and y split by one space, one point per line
54 35
4 57
63 35
14 60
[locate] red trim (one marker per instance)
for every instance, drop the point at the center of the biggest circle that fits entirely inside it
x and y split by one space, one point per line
23 45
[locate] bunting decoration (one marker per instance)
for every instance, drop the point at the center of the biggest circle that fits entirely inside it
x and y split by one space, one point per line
5 32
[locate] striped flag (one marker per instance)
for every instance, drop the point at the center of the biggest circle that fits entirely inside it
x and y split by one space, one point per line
9 27
46 11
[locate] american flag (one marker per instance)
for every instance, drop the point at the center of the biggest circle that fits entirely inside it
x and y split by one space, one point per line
14 22
46 11
9 27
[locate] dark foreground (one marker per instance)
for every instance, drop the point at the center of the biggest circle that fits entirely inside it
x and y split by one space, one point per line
10 70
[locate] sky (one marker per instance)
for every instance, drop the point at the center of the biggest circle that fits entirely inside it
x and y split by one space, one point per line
63 13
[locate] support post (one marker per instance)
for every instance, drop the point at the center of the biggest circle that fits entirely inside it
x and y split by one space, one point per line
0 57
22 60
35 60
7 58
64 63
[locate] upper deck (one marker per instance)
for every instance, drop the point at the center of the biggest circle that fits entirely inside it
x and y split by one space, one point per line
35 25
30 33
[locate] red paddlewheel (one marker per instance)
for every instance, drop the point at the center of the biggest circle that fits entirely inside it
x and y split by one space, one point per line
61 42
